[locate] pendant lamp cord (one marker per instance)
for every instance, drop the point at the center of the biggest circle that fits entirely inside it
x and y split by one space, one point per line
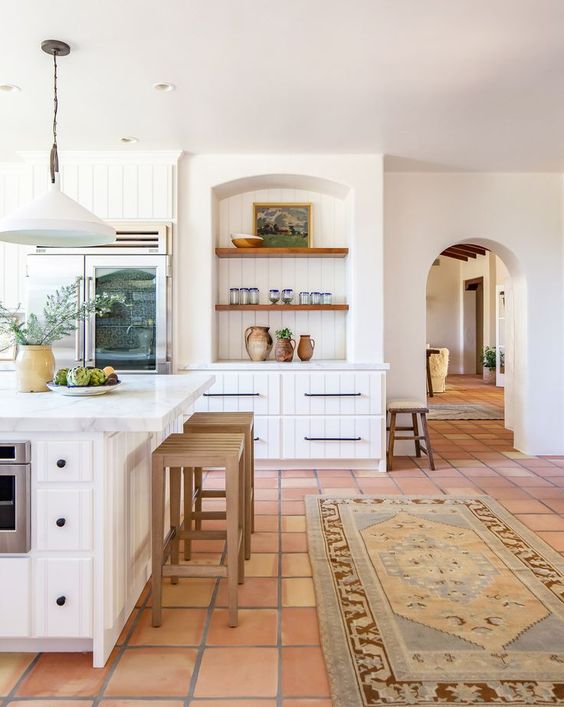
54 157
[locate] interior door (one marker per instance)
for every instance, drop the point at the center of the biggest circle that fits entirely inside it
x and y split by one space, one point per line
45 275
132 337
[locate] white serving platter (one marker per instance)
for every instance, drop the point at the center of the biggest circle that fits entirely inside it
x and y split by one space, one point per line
86 391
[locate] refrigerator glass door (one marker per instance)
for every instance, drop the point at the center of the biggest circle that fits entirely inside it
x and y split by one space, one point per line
132 337
47 273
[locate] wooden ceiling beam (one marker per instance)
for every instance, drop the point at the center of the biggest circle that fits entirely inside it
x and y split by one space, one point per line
448 253
471 248
461 251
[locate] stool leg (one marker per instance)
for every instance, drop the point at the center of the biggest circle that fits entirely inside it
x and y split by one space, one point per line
252 511
247 470
232 512
427 440
198 488
175 477
416 434
391 440
188 500
243 521
157 513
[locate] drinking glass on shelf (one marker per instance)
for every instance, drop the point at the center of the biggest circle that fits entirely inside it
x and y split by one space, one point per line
233 295
254 295
305 298
327 298
287 296
244 295
316 297
274 296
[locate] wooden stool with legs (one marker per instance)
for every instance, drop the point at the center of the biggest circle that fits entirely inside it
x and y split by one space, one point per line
408 407
189 451
223 423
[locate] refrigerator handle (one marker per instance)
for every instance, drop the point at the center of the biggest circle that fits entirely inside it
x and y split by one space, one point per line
77 352
88 326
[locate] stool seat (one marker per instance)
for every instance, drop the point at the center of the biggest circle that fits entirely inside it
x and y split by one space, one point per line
220 418
407 406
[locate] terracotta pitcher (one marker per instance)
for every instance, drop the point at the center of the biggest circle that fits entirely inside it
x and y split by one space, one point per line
284 350
258 342
306 347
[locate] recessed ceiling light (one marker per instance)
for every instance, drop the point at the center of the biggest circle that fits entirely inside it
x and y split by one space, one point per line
9 88
164 86
129 139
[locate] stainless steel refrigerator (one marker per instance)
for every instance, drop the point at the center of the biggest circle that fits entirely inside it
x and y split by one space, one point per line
134 336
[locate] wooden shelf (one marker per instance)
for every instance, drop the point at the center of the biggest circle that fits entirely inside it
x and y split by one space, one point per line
281 252
281 307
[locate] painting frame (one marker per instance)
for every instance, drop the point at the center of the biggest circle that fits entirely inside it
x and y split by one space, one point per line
301 215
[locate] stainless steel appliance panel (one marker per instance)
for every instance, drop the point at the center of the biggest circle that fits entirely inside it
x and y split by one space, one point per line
15 494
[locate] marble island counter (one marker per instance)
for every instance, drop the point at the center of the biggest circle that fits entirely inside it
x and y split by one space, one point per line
85 510
147 403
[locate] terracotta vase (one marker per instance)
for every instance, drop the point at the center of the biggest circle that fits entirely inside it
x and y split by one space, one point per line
258 342
306 347
284 350
35 366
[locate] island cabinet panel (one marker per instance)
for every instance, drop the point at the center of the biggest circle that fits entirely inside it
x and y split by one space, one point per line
15 597
267 437
63 519
63 597
62 461
242 392
325 437
333 394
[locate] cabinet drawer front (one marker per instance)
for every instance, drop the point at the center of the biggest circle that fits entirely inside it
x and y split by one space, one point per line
267 438
62 461
243 392
332 437
63 519
15 600
63 598
333 393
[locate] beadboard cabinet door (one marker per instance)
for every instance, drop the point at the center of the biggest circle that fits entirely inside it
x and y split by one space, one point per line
15 598
63 519
332 437
267 437
333 393
242 392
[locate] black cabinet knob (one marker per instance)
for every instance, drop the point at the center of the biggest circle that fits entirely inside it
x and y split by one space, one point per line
61 463
61 601
60 522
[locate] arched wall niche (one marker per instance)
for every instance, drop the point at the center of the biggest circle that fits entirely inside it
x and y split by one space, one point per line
281 181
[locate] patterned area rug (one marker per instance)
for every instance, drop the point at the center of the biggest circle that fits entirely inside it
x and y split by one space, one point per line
427 601
463 412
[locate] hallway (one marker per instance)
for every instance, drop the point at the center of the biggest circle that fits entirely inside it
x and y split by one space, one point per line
470 390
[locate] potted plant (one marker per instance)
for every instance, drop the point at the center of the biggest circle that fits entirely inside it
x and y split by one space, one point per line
489 364
35 363
285 345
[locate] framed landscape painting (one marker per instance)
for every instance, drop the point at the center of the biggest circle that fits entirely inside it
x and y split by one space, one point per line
283 225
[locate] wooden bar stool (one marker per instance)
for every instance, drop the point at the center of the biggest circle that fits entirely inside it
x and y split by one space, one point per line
414 409
228 423
198 451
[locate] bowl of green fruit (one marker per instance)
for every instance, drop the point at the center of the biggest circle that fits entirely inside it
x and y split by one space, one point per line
84 382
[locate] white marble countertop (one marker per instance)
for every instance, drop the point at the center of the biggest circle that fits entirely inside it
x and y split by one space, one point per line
144 403
314 365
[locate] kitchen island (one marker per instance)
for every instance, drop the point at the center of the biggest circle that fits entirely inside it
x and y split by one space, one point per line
89 507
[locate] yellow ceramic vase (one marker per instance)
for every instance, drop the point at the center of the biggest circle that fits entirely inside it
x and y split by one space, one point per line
35 366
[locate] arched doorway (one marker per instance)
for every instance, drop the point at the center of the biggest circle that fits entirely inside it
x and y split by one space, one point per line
470 316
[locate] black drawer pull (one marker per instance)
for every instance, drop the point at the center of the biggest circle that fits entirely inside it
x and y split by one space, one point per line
60 522
231 395
332 395
61 463
61 601
333 439
256 439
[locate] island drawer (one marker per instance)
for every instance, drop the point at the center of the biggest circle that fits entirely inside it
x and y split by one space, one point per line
62 461
15 597
242 392
267 437
63 519
333 393
63 597
332 437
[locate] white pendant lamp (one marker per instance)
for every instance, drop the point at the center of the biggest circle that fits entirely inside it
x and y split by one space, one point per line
54 219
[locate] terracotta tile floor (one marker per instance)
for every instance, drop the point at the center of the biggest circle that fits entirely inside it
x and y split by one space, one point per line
274 659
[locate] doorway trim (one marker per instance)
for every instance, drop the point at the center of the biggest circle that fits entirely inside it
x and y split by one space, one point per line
476 284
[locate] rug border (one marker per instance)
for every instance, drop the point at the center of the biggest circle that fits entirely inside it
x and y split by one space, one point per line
344 694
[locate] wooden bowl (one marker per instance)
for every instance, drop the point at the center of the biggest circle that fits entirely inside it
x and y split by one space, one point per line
244 240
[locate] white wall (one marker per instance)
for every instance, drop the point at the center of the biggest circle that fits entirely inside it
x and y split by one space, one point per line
443 310
520 217
206 180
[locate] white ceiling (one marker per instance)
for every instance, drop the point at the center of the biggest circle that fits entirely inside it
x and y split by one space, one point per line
467 84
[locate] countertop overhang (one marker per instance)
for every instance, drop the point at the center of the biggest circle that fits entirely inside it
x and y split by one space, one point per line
145 403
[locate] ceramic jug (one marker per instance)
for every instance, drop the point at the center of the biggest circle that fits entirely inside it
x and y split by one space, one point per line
306 347
35 366
258 342
284 350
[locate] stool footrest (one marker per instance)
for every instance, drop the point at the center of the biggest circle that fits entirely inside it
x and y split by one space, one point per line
209 515
194 571
203 534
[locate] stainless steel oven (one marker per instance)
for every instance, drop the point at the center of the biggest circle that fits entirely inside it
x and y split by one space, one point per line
15 495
